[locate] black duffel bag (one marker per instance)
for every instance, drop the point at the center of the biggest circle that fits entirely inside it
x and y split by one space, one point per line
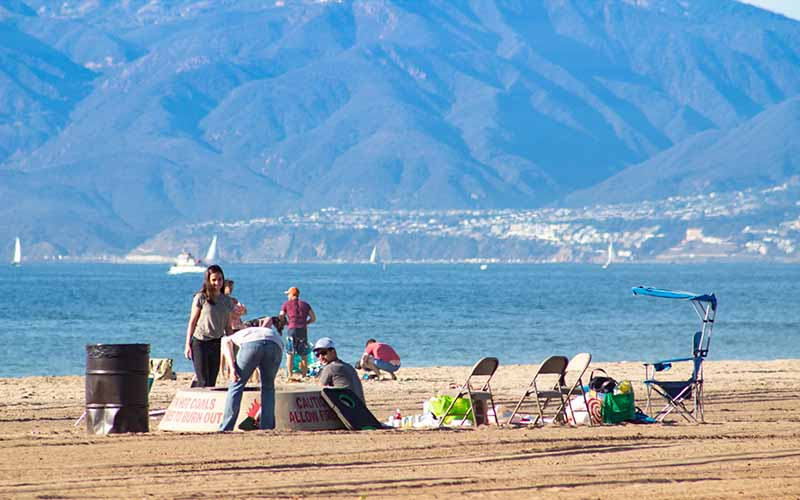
601 382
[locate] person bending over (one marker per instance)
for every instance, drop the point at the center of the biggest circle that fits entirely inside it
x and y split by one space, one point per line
379 357
259 347
335 372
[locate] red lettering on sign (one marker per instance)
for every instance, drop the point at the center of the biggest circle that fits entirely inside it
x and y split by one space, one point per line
328 415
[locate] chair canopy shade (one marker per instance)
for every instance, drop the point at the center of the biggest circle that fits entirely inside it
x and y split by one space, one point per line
675 294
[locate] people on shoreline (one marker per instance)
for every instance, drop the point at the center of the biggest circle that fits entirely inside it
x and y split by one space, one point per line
299 315
260 347
239 309
208 322
379 356
335 372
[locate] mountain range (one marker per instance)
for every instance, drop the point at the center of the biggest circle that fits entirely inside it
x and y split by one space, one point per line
120 120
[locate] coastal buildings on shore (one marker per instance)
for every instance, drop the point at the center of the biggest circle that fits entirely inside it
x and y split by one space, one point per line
739 226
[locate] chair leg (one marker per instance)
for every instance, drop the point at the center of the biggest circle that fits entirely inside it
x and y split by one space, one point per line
699 402
471 410
586 405
541 410
516 408
446 413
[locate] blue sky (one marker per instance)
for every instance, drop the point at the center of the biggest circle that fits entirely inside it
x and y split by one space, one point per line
789 8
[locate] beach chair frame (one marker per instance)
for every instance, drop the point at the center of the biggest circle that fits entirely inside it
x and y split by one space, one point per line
686 397
485 367
678 393
578 366
544 392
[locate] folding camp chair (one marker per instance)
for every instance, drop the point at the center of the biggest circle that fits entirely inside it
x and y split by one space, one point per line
573 382
685 395
546 386
482 374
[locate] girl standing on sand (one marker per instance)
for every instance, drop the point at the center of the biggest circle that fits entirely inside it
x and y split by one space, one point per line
208 322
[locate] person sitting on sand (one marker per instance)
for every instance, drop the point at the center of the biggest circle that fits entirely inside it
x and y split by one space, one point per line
335 372
379 357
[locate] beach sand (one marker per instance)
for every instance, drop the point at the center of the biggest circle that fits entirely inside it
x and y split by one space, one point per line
749 447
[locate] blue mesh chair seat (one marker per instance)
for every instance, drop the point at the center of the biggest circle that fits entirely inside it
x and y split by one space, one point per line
676 389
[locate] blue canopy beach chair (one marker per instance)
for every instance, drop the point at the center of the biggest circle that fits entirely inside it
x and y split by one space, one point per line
684 396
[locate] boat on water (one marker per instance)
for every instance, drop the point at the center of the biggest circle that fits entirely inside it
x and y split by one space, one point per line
187 263
373 257
610 257
17 260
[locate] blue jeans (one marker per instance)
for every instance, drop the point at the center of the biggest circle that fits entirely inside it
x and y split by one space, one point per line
262 354
385 365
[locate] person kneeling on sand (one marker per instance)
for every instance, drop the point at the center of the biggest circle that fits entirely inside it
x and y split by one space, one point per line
379 357
259 347
335 372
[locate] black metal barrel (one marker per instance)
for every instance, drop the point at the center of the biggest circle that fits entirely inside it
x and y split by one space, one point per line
117 388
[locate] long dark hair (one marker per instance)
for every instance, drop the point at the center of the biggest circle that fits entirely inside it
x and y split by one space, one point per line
206 288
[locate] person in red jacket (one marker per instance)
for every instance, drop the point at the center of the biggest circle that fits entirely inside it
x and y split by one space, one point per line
379 357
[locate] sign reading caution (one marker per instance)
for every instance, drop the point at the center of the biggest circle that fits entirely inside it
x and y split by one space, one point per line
296 408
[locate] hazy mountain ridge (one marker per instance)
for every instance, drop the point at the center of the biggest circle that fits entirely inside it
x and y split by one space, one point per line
368 104
759 152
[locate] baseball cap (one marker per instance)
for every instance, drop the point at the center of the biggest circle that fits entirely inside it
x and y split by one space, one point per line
324 343
293 291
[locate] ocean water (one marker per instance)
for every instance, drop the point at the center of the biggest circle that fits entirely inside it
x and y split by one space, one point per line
433 314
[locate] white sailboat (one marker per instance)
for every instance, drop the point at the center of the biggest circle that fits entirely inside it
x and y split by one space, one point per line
373 257
211 254
610 257
17 260
187 263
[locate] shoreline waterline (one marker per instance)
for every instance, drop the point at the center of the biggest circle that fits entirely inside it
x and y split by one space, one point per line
627 365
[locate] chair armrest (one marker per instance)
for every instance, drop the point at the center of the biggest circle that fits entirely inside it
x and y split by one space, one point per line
665 364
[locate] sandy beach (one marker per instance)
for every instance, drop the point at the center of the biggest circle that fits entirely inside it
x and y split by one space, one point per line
749 447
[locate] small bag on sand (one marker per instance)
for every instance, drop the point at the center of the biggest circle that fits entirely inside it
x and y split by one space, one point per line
618 405
601 382
440 404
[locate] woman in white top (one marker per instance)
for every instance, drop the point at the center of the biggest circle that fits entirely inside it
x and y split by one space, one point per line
259 347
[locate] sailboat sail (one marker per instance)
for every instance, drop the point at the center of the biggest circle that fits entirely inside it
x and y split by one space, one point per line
610 254
17 253
373 258
211 255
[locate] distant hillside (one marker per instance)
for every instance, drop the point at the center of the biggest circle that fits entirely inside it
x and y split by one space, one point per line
122 119
761 152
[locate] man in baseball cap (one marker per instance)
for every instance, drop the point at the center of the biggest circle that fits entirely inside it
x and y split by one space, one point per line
335 372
